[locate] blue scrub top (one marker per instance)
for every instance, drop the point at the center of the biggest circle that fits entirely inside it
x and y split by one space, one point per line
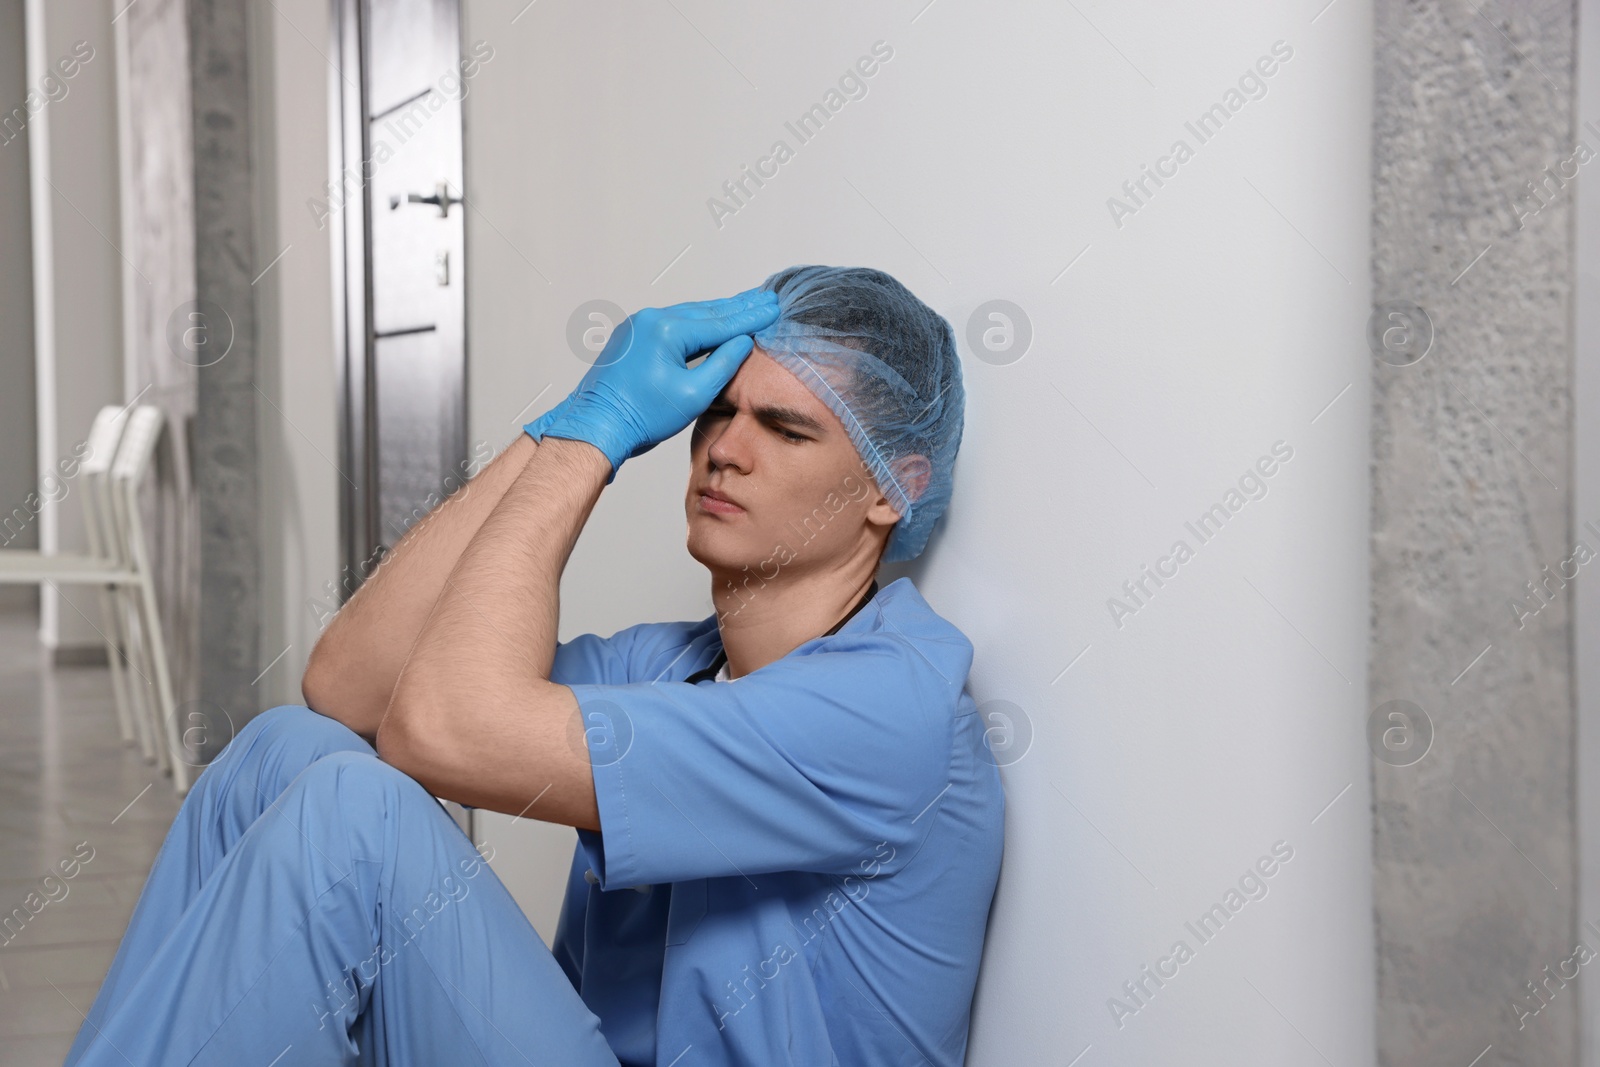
795 866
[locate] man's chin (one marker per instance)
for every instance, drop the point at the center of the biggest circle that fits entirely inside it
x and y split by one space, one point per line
718 548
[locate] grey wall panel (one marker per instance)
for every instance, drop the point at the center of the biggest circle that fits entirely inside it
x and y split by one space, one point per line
1472 480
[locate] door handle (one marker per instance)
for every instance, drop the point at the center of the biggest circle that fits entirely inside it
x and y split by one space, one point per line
441 199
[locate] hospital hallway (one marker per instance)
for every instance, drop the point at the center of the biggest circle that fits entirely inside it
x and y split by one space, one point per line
81 818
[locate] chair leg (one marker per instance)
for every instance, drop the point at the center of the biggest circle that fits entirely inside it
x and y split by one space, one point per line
119 682
140 689
165 701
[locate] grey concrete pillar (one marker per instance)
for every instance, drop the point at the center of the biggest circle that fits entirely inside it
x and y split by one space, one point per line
187 191
1475 847
227 454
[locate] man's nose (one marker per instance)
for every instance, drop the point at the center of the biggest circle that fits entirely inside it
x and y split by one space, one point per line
728 443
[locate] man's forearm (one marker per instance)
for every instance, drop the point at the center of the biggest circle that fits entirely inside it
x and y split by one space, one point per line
352 670
492 633
474 716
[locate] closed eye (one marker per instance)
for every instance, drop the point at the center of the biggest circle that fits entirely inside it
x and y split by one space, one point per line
726 411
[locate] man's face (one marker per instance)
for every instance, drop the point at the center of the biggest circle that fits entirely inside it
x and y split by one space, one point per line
785 461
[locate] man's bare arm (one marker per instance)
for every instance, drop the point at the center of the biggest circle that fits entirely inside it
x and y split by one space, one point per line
474 716
353 667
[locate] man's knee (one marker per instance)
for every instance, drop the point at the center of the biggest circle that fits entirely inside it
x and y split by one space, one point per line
284 717
355 779
300 728
274 747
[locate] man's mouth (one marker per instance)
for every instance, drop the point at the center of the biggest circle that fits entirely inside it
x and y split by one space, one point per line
717 504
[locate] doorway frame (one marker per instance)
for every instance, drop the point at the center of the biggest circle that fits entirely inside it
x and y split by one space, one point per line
352 303
348 149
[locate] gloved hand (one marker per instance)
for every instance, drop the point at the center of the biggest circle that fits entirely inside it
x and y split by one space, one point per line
641 391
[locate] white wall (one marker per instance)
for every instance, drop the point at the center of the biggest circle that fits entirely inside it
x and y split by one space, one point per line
1227 314
77 271
298 417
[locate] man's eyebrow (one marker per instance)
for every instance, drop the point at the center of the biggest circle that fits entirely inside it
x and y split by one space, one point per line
779 413
792 416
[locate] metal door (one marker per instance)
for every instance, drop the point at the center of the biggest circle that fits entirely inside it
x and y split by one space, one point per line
404 329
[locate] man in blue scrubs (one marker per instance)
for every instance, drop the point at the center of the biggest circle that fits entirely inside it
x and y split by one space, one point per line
789 826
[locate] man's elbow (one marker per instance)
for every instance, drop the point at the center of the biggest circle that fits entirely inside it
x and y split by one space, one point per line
395 740
314 683
334 687
403 737
320 688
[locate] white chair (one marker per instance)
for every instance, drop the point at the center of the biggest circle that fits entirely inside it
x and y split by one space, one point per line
138 594
121 447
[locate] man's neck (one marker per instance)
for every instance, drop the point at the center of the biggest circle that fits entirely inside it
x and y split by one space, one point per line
761 623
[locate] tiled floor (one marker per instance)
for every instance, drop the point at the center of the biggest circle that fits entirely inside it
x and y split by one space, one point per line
68 789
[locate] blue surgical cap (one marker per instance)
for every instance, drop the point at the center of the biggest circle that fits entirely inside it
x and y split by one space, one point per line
886 364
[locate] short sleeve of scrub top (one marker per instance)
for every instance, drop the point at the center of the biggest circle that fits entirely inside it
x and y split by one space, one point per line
798 766
594 659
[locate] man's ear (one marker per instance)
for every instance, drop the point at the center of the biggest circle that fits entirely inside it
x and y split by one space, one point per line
913 473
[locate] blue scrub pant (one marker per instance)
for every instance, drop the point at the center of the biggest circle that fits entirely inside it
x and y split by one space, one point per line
314 905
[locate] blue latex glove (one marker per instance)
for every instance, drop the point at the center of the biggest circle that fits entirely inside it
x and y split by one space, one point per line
641 391
537 427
